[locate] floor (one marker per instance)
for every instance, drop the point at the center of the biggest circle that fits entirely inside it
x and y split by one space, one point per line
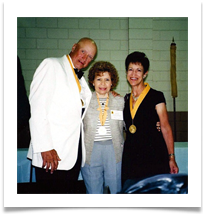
33 188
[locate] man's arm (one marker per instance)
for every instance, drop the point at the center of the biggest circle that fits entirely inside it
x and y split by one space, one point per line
41 95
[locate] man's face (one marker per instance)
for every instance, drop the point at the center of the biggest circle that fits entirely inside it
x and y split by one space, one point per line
82 54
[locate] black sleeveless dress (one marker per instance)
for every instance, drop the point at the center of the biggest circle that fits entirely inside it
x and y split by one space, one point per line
145 153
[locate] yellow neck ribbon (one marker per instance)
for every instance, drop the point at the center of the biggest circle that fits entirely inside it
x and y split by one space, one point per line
102 115
76 78
139 100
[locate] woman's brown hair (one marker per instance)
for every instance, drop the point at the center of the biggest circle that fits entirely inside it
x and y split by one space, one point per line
100 67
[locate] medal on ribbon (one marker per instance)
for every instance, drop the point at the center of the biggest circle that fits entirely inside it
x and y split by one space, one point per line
132 129
133 111
102 116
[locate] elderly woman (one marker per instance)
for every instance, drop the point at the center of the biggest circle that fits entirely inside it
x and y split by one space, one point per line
103 126
147 151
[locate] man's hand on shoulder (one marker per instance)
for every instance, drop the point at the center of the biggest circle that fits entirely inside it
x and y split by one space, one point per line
115 94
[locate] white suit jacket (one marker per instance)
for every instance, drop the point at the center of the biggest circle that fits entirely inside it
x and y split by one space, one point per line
56 110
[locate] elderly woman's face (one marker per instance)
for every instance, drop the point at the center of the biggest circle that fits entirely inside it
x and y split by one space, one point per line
102 84
135 73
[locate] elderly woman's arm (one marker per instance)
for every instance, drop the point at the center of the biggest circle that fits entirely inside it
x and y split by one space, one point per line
168 136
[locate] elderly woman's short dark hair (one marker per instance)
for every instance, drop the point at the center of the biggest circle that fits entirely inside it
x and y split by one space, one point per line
100 67
137 57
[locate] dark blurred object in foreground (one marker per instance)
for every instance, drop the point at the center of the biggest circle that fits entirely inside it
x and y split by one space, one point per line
158 184
23 110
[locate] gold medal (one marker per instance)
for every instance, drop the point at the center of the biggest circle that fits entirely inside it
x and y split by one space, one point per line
132 129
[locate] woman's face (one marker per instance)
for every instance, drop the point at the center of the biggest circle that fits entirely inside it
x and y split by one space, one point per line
102 84
135 74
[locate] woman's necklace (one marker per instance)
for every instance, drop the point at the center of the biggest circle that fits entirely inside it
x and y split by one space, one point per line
134 98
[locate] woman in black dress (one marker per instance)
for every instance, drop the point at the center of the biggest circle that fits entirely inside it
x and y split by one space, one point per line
147 151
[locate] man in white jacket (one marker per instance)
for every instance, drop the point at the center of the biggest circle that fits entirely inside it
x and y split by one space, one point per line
59 100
